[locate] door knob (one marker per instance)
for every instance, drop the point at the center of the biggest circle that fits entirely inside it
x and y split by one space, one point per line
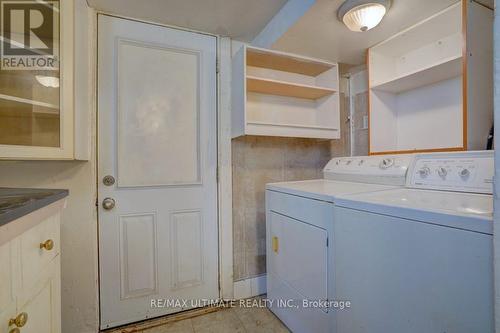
108 203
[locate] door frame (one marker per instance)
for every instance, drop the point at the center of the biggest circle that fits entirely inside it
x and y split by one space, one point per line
223 146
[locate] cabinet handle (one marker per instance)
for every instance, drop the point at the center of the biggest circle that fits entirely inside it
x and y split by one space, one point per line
276 244
47 245
20 320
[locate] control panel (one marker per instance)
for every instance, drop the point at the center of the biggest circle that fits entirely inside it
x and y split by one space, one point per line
464 172
383 169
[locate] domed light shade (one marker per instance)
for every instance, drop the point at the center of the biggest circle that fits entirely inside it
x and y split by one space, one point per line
48 81
362 15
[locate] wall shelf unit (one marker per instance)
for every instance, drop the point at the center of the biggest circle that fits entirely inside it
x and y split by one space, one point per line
431 85
280 94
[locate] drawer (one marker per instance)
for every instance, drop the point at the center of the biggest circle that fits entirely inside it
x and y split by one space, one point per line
34 257
315 212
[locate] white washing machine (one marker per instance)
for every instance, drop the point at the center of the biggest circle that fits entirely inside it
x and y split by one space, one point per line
299 219
419 259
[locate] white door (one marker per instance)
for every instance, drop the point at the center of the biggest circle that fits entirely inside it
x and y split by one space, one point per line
157 139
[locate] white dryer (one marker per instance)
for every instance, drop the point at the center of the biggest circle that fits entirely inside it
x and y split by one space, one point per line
419 259
299 219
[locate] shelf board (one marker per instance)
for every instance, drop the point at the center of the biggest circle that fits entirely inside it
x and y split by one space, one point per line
263 123
51 108
291 130
285 62
447 69
281 88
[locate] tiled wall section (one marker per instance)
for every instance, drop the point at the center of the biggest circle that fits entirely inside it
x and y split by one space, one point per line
258 160
342 147
360 134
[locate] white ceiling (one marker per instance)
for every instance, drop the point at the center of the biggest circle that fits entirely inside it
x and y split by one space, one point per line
319 34
239 19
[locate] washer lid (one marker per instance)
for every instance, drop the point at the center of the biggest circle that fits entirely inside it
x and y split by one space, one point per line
468 211
326 190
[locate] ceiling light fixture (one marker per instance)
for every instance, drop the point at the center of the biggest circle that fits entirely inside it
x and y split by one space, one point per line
48 81
363 15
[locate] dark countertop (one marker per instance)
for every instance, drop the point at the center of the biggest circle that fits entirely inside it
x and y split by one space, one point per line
17 202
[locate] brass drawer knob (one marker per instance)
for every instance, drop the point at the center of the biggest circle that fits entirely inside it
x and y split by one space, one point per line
47 245
20 320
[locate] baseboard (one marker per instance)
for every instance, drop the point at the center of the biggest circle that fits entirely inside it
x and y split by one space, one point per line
250 287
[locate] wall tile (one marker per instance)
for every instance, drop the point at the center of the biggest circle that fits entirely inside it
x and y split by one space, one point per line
256 162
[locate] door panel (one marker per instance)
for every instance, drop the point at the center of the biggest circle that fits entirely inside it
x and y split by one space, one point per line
138 255
187 269
157 138
155 112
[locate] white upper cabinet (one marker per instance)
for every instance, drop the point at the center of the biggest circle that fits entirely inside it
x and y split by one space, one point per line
44 106
280 94
431 85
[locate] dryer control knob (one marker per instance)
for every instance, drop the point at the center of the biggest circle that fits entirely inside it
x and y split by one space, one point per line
442 172
464 174
424 172
386 163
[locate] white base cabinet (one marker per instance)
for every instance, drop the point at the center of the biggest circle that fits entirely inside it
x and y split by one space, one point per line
30 288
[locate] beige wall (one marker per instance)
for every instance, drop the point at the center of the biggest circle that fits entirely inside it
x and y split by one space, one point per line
496 224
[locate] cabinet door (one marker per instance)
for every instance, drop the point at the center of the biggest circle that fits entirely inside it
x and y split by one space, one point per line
299 256
36 80
7 296
42 303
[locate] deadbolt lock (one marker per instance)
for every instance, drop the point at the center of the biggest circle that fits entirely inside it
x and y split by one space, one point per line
108 180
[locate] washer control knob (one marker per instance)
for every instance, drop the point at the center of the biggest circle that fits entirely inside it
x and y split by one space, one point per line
442 172
386 163
424 172
464 174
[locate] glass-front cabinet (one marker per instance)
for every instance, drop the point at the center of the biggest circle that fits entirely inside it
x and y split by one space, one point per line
37 80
